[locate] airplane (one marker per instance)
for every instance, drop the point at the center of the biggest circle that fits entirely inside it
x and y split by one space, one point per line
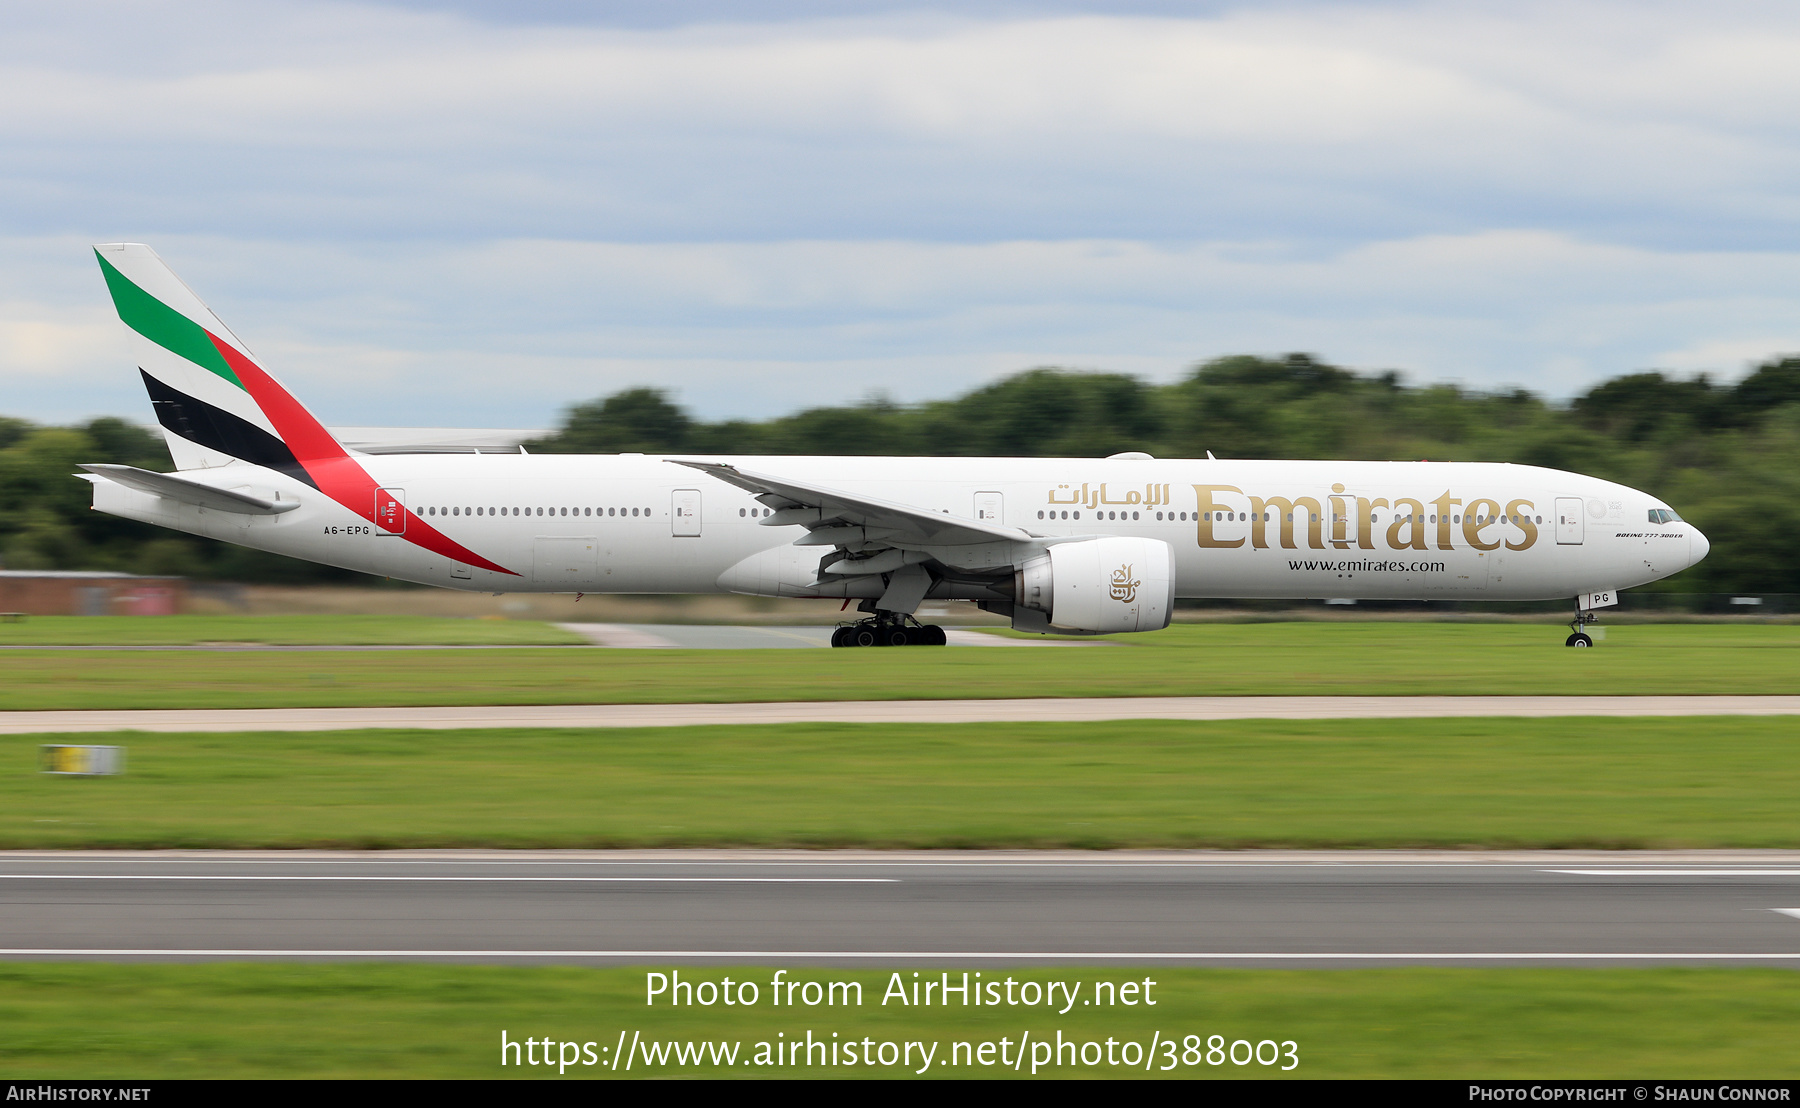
1076 546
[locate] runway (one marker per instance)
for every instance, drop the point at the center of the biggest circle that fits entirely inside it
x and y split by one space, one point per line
887 711
683 636
614 636
1273 909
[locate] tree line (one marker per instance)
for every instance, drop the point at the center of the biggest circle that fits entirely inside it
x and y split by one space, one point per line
1726 456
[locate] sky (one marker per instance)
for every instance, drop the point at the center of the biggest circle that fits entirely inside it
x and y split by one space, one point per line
464 213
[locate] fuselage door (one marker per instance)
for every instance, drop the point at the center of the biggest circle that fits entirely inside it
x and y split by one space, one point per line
685 513
1568 521
988 506
390 511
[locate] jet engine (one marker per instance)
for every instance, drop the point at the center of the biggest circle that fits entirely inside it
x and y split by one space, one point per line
1097 586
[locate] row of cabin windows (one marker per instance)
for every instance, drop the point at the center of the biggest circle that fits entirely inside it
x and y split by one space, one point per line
1312 517
434 511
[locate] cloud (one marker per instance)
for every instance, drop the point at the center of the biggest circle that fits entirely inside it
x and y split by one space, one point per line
1342 120
455 214
510 331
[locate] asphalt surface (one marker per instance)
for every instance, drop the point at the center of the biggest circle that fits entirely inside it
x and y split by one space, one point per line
1343 908
880 711
678 636
616 636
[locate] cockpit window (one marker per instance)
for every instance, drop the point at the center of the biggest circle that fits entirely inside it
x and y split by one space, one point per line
1663 515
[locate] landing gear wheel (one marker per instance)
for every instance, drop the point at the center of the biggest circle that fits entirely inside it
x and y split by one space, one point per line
896 630
1578 639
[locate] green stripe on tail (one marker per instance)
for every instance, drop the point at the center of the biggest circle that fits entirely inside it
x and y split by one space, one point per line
163 325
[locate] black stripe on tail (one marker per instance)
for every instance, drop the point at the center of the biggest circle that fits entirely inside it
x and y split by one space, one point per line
217 429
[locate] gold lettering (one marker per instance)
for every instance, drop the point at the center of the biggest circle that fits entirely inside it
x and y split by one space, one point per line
1443 504
1474 513
1408 513
1525 524
1365 511
1340 522
1203 522
1285 510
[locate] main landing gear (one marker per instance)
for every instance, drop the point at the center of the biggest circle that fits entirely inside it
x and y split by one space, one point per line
889 629
1577 636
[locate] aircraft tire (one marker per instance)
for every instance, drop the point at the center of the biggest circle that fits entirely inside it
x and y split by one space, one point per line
1578 639
933 635
839 635
860 636
898 636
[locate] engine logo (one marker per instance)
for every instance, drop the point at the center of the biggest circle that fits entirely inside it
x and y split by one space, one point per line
1123 587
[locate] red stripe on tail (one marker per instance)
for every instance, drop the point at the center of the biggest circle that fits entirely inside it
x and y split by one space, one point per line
336 473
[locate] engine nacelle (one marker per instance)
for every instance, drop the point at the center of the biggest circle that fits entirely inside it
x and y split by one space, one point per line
1100 586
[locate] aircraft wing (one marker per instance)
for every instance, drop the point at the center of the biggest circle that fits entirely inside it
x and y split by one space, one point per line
434 440
190 492
853 521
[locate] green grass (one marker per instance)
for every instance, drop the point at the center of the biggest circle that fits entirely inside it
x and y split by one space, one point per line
1442 783
96 1021
1212 660
313 630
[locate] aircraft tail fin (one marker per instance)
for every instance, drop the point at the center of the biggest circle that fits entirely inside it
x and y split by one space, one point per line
215 402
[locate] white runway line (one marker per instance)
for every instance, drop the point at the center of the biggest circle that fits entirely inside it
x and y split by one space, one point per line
911 955
1679 872
908 711
442 878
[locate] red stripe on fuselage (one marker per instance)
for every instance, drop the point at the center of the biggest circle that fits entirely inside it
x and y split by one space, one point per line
336 473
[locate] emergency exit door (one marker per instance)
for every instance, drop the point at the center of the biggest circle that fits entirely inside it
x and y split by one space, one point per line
684 514
1568 521
988 506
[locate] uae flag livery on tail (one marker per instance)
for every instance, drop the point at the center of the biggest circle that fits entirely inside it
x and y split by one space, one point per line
218 406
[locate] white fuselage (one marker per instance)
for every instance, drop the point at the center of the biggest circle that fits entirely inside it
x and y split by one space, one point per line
1252 529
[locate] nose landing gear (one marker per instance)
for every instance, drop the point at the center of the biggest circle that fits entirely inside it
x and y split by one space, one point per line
889 629
1578 637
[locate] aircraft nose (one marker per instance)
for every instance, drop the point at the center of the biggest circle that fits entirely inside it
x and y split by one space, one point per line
1698 546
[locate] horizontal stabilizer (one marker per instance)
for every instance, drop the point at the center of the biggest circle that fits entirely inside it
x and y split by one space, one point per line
191 492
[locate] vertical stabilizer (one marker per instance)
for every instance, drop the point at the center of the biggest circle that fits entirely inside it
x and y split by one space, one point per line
214 401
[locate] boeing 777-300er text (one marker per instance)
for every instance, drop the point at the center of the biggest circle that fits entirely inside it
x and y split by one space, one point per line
1060 545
